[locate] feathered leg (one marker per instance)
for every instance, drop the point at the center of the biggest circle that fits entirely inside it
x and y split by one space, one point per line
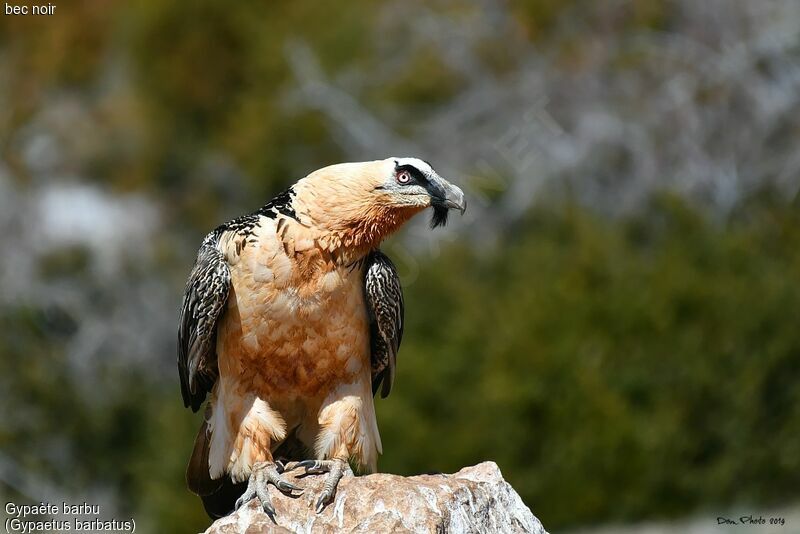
347 429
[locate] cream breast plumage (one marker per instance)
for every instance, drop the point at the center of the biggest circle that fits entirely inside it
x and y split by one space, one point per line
291 321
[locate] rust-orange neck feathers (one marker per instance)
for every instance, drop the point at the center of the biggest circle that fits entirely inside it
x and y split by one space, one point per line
342 213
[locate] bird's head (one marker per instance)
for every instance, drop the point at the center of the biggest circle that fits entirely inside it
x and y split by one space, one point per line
412 182
372 199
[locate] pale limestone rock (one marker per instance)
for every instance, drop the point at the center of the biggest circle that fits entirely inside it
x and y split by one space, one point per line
476 499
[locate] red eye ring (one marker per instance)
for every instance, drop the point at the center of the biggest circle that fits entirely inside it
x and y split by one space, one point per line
403 177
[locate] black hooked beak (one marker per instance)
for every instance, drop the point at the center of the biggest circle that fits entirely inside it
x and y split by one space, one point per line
444 197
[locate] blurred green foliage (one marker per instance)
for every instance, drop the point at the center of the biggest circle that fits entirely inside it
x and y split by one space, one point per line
615 369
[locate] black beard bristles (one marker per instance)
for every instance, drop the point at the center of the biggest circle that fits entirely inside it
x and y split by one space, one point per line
439 217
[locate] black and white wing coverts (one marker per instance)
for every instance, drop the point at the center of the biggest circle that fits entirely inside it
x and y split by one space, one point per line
203 302
384 298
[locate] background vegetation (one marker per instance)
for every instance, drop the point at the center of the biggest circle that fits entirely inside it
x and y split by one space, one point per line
614 321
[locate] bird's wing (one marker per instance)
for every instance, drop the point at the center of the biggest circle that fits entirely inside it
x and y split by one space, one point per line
203 301
384 298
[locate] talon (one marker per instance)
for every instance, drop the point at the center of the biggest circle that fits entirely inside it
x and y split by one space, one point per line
288 487
335 468
248 494
268 508
290 466
314 467
263 474
309 463
321 502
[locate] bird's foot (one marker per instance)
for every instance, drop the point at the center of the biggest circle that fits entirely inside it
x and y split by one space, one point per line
335 468
265 473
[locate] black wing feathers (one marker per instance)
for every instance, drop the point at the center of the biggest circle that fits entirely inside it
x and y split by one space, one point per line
384 298
203 302
205 297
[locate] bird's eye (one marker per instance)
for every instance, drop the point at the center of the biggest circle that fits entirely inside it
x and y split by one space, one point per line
403 177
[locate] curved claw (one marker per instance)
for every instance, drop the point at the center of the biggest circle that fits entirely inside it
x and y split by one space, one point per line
245 497
263 474
335 468
314 467
288 487
320 504
263 496
335 472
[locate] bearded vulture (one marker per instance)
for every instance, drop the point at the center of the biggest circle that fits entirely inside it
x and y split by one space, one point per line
291 322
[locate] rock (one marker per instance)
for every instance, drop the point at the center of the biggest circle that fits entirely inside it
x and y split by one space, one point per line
476 499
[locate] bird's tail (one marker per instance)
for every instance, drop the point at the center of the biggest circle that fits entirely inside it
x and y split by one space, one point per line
219 496
198 478
222 502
